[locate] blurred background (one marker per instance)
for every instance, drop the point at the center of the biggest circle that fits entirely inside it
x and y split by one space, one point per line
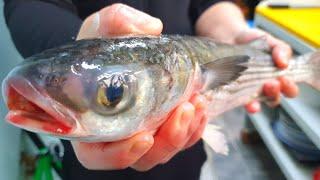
9 135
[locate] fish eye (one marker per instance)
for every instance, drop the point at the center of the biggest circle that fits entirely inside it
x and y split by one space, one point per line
110 95
114 94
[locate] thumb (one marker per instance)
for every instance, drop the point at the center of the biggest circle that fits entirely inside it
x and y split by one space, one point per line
119 20
113 155
249 35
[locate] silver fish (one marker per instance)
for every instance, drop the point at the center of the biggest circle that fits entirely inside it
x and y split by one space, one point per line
110 89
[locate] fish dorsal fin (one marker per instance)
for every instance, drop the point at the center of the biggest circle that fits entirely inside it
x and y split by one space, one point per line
260 44
223 71
215 139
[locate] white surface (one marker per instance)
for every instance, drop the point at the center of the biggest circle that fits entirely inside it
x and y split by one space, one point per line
294 3
292 169
9 135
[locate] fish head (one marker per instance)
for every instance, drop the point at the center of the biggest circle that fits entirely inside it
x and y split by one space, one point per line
86 98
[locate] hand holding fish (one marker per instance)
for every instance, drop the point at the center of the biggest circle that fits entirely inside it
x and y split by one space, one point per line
281 53
120 20
140 100
145 150
230 27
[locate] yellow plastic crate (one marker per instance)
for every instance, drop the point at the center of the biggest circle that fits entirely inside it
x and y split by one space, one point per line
302 22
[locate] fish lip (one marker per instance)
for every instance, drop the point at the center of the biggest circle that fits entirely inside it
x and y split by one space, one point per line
32 93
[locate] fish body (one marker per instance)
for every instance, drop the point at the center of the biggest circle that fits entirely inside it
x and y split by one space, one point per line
110 89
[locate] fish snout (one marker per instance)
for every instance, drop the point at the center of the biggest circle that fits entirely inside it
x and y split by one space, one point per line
32 109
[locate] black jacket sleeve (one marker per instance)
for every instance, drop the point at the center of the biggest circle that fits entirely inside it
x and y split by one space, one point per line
197 7
38 25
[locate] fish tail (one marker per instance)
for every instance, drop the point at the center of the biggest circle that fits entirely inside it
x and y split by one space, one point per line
304 68
237 80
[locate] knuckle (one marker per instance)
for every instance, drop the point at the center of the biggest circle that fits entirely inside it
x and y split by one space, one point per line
194 125
122 160
169 145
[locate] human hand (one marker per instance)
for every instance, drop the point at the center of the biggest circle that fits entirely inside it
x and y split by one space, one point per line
281 53
183 127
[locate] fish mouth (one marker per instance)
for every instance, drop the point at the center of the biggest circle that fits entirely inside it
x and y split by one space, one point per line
33 109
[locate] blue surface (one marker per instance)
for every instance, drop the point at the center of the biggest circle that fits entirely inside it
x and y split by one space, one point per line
303 149
250 23
9 135
289 165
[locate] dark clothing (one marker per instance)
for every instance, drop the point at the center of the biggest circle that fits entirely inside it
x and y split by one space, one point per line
184 166
36 25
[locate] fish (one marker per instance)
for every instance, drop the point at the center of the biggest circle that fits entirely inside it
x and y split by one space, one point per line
107 90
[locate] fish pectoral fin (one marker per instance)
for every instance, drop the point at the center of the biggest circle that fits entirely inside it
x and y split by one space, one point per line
215 139
224 70
260 44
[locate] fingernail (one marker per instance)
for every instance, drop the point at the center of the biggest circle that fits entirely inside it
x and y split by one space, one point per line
201 102
253 107
187 115
283 56
140 18
142 145
91 27
95 21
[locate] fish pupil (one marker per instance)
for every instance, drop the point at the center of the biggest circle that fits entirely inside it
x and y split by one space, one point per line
114 94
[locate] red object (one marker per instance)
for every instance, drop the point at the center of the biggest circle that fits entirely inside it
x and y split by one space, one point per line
316 174
26 113
253 107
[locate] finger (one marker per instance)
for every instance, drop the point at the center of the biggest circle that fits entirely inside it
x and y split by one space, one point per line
281 53
170 138
198 133
194 137
118 20
249 35
253 107
200 103
272 91
89 27
115 155
288 87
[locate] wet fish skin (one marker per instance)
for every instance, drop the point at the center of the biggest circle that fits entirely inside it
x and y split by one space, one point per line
154 75
69 76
